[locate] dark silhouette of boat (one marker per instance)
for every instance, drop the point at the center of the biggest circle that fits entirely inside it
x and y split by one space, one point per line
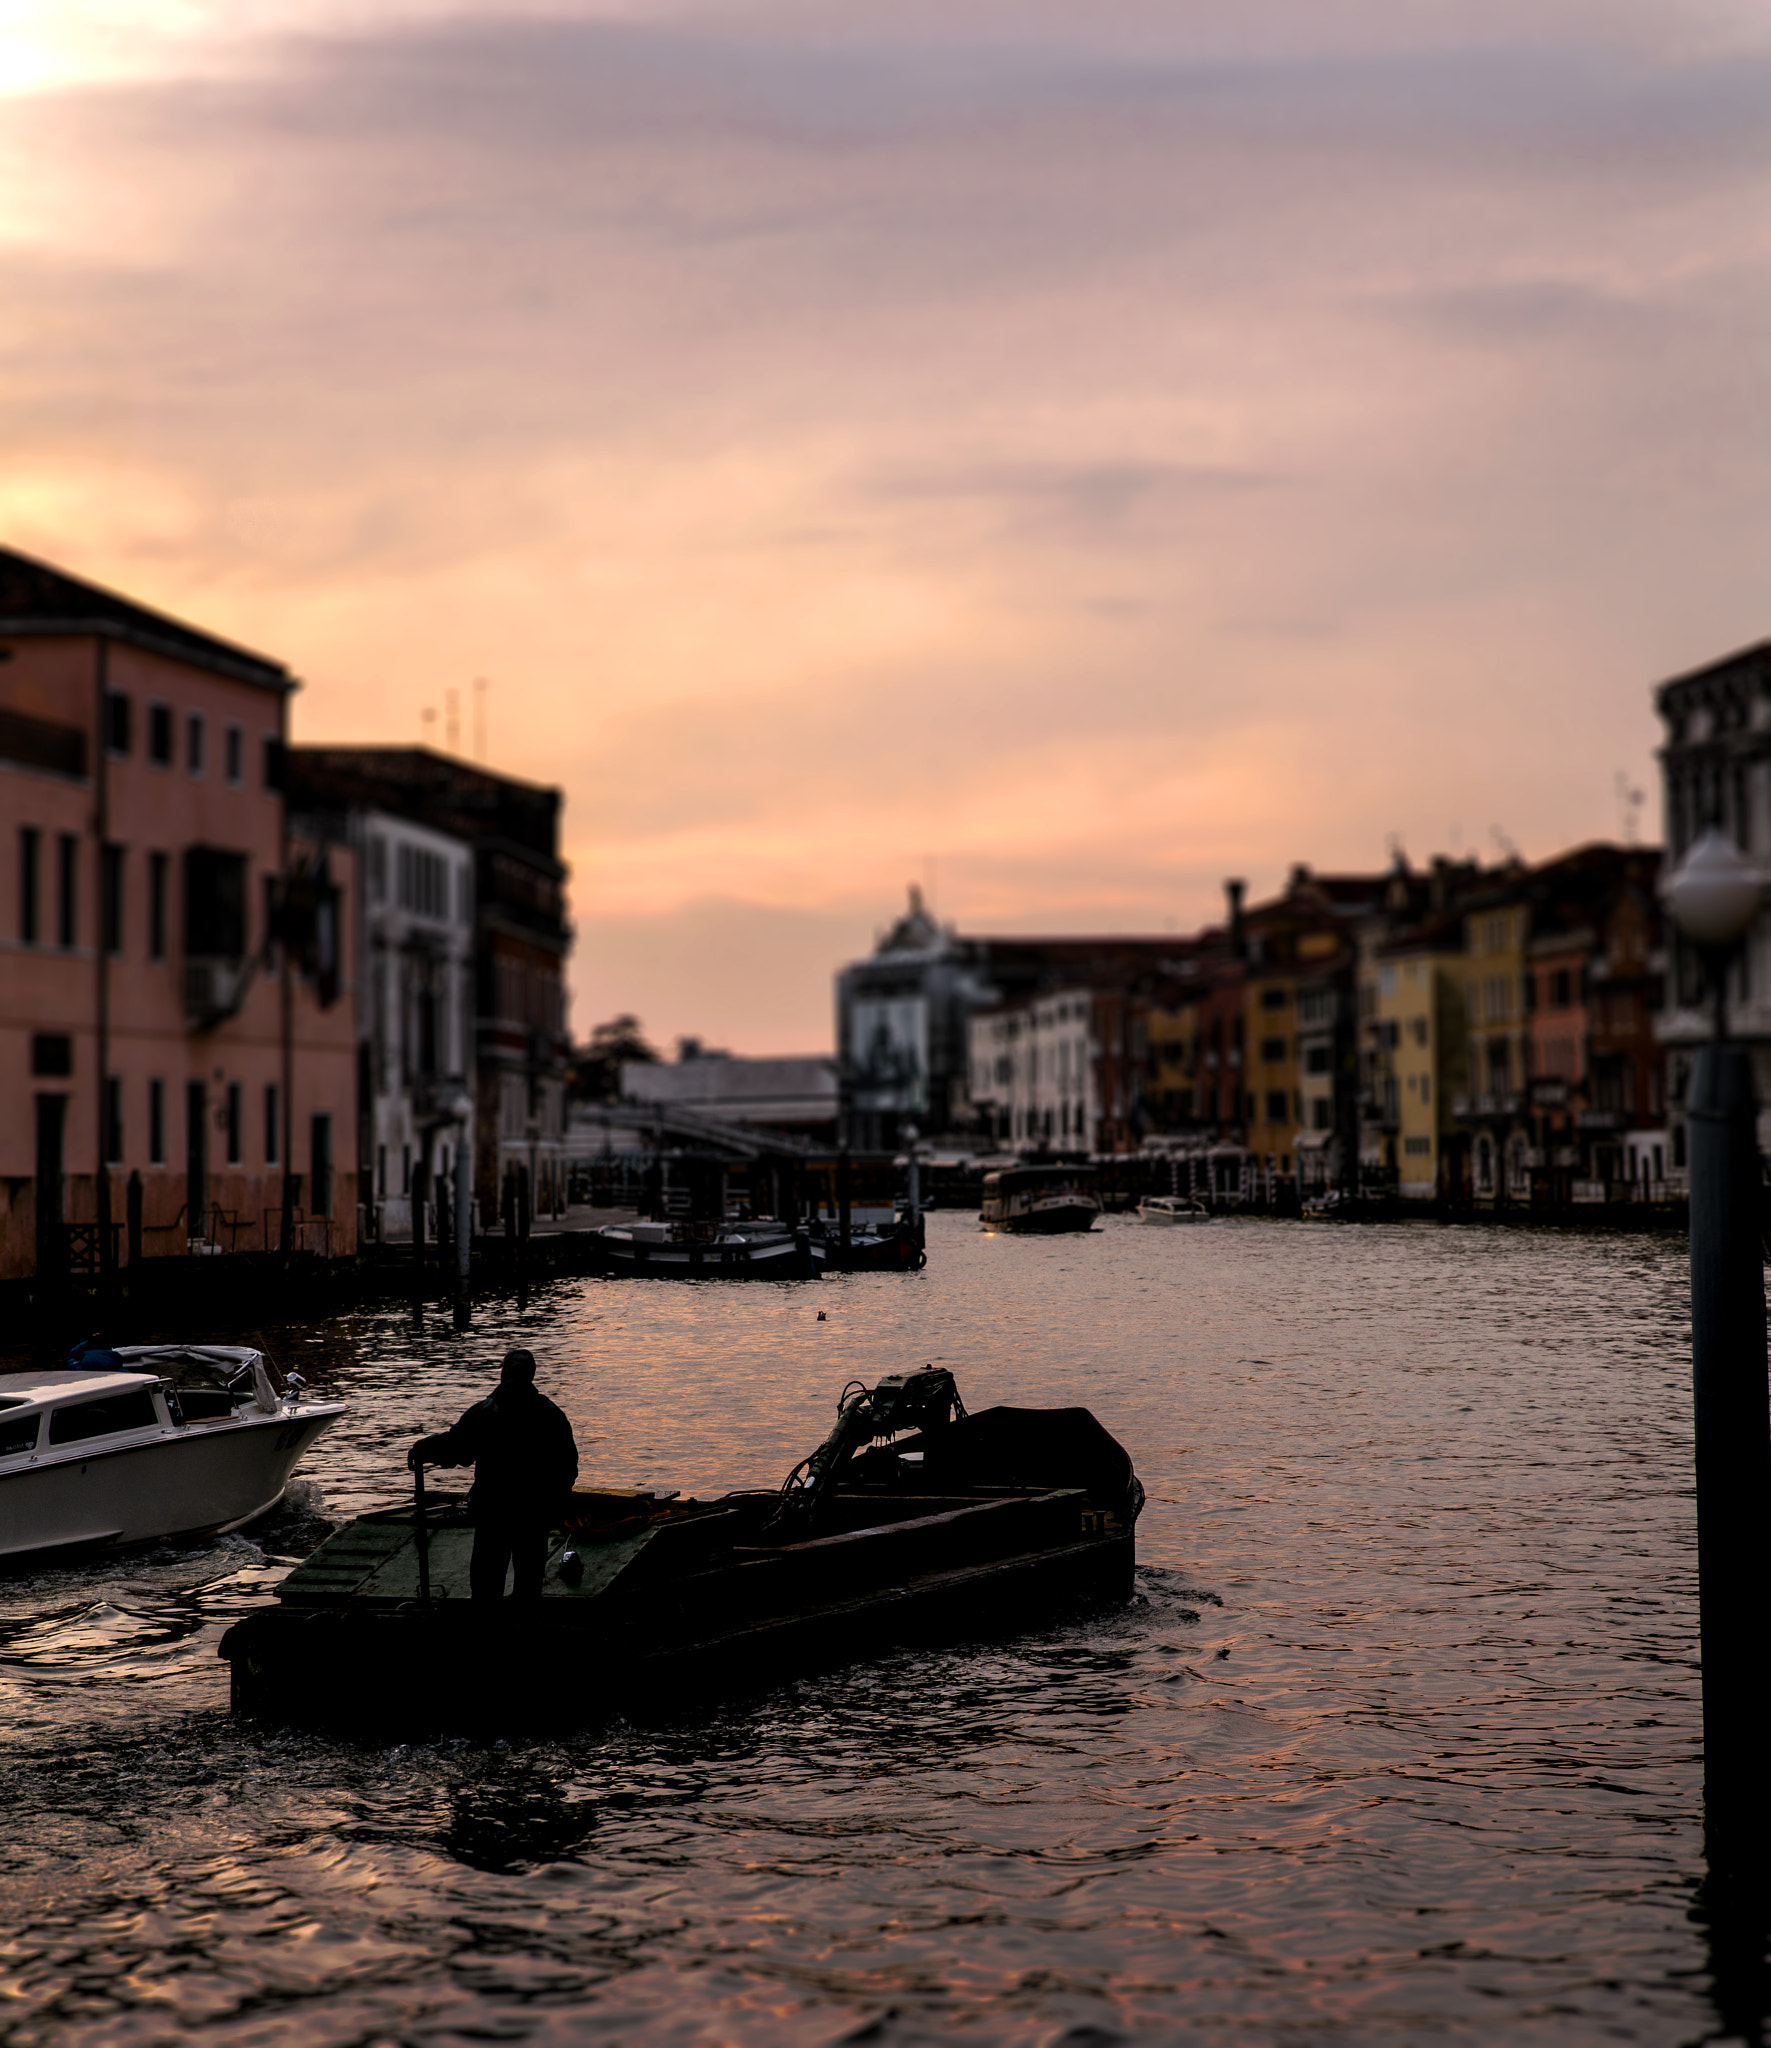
681 1250
912 1522
760 1249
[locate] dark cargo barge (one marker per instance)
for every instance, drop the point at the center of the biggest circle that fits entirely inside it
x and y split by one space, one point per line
956 1525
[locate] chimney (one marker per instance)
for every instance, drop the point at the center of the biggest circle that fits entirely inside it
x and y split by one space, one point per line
1233 892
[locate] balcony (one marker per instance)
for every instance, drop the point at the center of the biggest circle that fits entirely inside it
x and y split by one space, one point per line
1471 1109
213 991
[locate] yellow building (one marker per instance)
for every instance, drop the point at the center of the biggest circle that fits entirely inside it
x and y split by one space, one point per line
1273 1107
1421 1063
1172 1035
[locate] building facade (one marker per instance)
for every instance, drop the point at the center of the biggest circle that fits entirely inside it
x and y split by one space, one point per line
1033 1073
176 1011
1715 763
520 941
413 961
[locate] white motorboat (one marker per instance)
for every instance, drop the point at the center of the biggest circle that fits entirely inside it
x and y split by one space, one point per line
184 1440
1172 1209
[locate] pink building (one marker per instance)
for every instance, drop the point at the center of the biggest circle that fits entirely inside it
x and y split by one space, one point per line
174 1000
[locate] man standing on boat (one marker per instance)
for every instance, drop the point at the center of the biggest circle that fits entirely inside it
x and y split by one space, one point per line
525 1461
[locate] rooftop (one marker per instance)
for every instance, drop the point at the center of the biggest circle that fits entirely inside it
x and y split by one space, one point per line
38 599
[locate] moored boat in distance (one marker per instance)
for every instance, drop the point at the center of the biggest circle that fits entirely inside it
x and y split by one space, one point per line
760 1248
182 1440
912 1521
1172 1209
681 1250
1038 1200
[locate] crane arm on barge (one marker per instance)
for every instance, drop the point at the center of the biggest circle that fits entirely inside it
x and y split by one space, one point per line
927 1401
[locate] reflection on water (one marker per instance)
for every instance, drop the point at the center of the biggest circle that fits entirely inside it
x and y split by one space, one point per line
1397 1741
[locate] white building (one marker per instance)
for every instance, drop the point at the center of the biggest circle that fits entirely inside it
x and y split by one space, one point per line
416 1050
1033 1071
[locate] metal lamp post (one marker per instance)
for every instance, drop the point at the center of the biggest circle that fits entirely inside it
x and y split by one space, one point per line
1714 896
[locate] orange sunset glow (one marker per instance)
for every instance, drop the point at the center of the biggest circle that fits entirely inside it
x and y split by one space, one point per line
1060 456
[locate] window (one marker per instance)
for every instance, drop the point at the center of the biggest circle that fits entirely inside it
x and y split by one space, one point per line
1417 1030
113 1119
156 906
112 1415
1499 993
156 1122
214 904
52 1055
233 1122
1278 1105
19 1435
234 755
30 850
273 761
160 735
377 869
1273 1051
273 1125
1316 1060
1272 999
320 1164
1322 1113
194 735
1386 978
1559 989
117 722
1417 1148
422 882
67 890
1426 1087
381 1170
112 898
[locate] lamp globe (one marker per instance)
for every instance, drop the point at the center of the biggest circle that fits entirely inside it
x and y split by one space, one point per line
1713 893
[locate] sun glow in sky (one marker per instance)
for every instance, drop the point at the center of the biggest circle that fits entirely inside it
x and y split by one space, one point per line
1064 456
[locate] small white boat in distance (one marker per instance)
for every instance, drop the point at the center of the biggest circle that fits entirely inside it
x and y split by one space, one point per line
185 1440
1172 1209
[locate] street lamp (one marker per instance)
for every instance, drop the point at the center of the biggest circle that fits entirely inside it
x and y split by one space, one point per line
1713 896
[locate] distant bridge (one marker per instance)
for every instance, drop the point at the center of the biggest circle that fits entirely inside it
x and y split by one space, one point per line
655 1122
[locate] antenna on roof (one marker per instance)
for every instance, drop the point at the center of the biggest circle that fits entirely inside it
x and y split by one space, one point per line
479 719
1629 806
452 719
427 717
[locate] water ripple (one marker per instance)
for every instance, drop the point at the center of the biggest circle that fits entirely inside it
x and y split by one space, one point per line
1398 1739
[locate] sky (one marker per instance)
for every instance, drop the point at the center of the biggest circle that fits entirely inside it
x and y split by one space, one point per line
1058 456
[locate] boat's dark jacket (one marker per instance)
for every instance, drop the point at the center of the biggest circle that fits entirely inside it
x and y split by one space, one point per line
520 1446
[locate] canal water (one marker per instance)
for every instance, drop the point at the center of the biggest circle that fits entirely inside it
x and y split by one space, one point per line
1397 1742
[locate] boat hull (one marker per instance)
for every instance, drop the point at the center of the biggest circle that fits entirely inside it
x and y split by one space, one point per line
771 1259
449 1666
1047 1220
198 1481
